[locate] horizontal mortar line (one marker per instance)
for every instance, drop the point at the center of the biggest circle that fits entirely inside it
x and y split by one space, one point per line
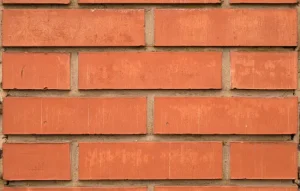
145 138
145 49
147 5
115 6
132 183
155 93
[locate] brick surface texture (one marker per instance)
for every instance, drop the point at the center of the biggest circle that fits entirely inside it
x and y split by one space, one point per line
149 95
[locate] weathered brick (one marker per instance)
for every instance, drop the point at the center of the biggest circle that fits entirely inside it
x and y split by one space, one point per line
236 115
224 188
74 115
78 189
263 160
150 70
150 1
225 27
73 27
35 1
263 1
36 70
36 161
264 70
150 160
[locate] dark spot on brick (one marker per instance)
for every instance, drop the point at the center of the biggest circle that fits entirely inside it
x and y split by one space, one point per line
1 151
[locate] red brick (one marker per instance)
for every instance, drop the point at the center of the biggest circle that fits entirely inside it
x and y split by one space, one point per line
263 1
159 188
36 1
263 160
150 1
150 70
73 27
236 115
74 115
150 160
36 71
264 70
224 188
42 161
80 189
226 27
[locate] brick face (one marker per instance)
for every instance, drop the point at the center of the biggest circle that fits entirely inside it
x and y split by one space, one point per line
76 27
35 1
225 27
264 70
154 70
149 95
36 71
166 160
224 188
263 160
163 188
150 1
80 189
74 116
36 161
263 1
240 115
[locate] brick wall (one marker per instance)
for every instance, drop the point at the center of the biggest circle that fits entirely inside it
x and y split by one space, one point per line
150 95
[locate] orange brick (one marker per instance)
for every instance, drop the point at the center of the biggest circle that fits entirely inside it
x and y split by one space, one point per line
224 188
36 70
79 189
150 1
73 27
263 1
74 115
226 27
264 70
150 70
150 160
36 1
160 188
238 115
263 160
37 161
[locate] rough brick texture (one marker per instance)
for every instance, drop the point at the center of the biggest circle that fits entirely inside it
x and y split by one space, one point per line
223 188
263 160
211 115
263 1
264 70
149 95
225 27
166 160
153 70
36 161
36 1
150 1
74 116
85 189
36 71
77 27
163 188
